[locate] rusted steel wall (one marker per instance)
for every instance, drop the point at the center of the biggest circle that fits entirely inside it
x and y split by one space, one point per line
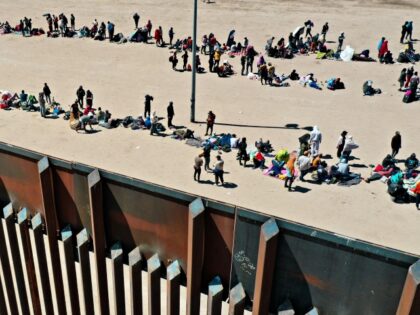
312 267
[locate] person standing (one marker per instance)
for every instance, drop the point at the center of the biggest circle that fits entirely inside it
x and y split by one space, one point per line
89 98
210 123
47 93
72 22
340 144
340 42
290 172
136 18
174 60
315 140
42 108
80 95
243 62
149 26
111 29
403 32
171 35
218 170
409 27
206 155
171 114
147 105
396 144
242 154
198 163
185 60
403 76
324 31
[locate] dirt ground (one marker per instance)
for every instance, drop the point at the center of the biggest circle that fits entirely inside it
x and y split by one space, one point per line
120 76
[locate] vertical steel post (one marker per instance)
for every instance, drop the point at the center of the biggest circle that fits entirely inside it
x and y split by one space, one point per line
237 300
215 297
410 297
153 273
40 262
66 249
52 229
117 279
265 267
85 275
134 282
28 267
19 286
196 226
173 276
99 239
194 63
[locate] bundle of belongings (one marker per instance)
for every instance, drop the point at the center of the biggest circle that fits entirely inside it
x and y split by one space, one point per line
363 56
119 38
408 55
400 183
182 134
224 142
139 36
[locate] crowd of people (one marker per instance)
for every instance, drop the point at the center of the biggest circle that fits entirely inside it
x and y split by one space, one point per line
403 184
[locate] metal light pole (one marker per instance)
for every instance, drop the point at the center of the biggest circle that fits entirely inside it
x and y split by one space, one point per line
194 66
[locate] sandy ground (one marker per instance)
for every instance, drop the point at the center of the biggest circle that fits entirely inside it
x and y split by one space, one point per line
120 76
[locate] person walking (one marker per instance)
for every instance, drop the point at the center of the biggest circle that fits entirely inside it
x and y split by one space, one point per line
210 123
47 93
136 18
198 163
171 114
147 105
396 144
80 93
218 170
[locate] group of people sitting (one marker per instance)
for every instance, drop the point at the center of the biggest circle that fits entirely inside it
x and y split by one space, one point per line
403 184
409 84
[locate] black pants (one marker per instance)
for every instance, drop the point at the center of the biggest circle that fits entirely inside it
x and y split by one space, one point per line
290 181
170 121
136 22
146 112
111 35
243 69
197 173
80 101
48 98
207 163
209 128
402 37
218 175
417 200
395 152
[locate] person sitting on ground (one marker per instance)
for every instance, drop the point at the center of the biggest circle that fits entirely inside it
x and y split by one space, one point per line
369 90
259 160
411 163
294 76
86 120
304 165
335 84
23 99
